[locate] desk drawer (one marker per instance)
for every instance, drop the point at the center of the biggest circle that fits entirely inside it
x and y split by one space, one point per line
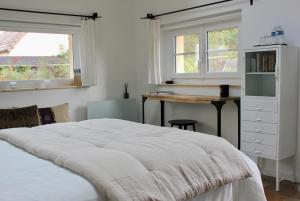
260 150
256 138
260 105
262 128
254 116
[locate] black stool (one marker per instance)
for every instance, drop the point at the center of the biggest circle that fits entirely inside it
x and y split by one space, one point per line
183 123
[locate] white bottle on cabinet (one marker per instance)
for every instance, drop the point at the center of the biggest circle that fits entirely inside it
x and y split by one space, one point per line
270 103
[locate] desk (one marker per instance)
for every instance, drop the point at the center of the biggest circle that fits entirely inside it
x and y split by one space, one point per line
217 101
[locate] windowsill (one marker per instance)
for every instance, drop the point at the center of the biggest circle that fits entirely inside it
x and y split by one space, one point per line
195 85
46 88
208 76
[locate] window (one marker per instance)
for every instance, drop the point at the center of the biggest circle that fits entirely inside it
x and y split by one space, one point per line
187 53
222 54
204 51
35 56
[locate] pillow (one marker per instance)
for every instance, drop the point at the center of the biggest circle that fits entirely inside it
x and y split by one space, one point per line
61 113
55 114
19 117
46 116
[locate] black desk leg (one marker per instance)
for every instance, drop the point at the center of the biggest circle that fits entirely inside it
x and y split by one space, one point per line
219 106
238 104
162 113
143 107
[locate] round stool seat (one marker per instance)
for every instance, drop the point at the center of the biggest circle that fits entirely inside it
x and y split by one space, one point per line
183 123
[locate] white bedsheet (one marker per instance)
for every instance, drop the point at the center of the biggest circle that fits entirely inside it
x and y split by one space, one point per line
24 177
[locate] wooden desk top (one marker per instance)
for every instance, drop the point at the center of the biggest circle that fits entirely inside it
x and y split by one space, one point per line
188 98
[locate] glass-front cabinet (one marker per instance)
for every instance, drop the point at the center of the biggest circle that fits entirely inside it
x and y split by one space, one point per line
270 103
260 73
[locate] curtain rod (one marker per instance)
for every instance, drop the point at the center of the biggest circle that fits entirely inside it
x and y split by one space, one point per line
152 17
94 16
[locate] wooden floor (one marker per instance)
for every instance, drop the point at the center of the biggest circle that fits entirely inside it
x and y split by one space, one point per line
288 191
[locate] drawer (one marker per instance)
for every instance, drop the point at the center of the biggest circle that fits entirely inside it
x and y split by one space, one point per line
256 138
260 150
260 105
254 116
257 127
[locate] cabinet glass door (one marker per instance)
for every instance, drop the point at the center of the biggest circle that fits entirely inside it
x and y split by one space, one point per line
260 72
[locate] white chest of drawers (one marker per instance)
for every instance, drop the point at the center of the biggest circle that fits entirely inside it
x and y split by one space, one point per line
269 103
260 125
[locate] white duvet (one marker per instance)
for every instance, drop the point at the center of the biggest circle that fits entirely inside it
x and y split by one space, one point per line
25 177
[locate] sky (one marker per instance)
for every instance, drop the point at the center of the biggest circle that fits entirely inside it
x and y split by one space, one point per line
40 44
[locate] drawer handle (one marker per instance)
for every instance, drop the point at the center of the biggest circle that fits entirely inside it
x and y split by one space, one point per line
258 131
258 141
258 120
258 152
259 109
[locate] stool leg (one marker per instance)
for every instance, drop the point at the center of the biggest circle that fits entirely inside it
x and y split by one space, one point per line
180 126
194 127
172 125
185 127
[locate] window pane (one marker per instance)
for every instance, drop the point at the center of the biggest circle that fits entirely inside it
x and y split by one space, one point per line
222 61
187 63
35 56
222 50
187 43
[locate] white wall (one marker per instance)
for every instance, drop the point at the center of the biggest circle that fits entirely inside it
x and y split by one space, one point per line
114 39
257 20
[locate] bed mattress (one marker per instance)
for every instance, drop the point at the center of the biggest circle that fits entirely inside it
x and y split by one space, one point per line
24 177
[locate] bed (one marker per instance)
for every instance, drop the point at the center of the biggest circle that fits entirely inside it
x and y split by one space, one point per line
26 175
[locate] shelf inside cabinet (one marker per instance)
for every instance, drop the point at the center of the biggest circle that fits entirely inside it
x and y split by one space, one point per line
260 84
261 62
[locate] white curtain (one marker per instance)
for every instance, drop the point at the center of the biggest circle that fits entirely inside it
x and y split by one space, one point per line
154 68
90 72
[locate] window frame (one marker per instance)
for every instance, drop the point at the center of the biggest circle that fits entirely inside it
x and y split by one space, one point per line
43 28
170 51
202 30
217 27
184 53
